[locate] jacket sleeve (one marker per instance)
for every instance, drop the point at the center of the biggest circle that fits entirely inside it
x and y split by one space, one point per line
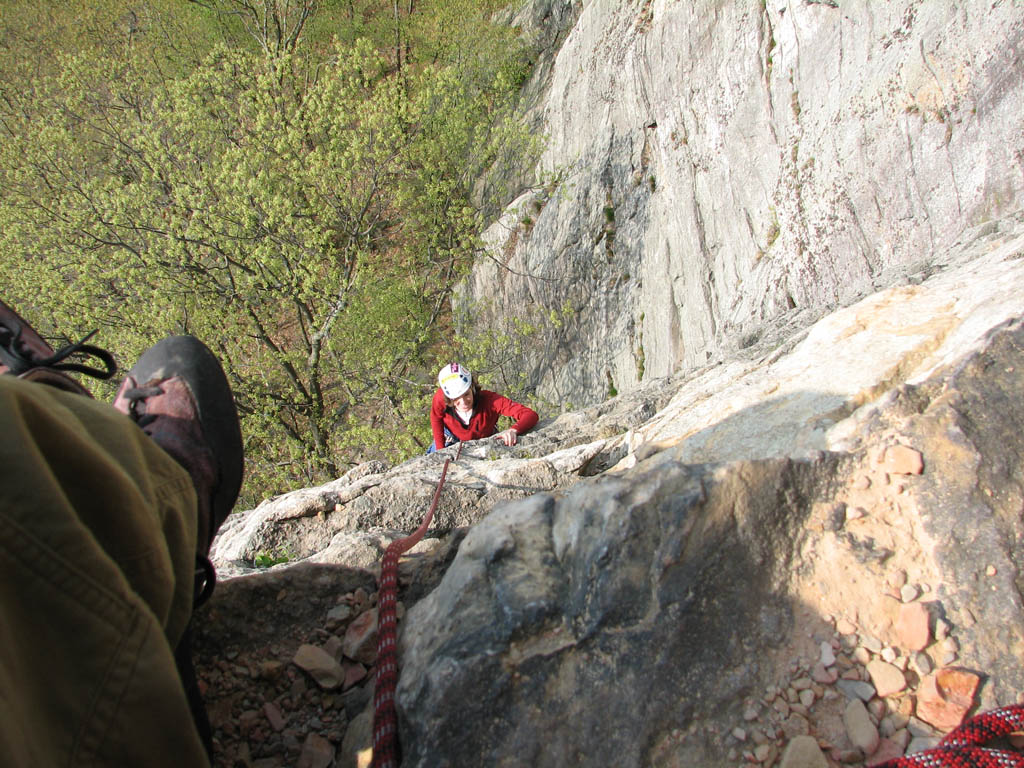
437 407
526 418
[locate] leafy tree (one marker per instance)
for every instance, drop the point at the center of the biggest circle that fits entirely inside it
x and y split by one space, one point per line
306 221
276 26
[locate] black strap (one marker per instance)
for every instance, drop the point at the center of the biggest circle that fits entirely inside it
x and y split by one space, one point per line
187 673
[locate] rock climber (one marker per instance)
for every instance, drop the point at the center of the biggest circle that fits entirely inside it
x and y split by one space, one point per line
461 411
107 512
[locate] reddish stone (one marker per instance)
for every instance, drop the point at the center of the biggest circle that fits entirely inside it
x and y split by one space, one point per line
944 698
887 679
354 673
912 628
248 720
824 675
321 665
317 752
360 643
902 460
887 750
273 715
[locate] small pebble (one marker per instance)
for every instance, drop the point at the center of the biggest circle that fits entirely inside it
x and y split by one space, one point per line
902 460
921 743
887 750
856 690
923 662
763 752
861 731
828 656
873 644
803 752
877 709
920 729
855 513
822 675
887 727
886 678
899 718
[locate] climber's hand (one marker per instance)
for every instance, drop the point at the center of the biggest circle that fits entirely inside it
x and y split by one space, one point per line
508 437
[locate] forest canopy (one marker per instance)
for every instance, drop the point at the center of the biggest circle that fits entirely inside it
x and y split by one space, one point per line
288 180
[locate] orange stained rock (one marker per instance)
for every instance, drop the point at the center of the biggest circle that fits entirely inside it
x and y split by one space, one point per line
903 460
944 698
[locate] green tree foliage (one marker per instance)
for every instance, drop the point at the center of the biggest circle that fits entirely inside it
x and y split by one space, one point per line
304 211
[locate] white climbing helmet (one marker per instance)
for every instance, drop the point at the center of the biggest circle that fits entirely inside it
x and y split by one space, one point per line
454 380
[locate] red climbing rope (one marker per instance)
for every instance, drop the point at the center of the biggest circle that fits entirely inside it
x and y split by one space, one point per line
385 719
964 746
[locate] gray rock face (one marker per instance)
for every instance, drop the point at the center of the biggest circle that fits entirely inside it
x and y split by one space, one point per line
716 169
610 600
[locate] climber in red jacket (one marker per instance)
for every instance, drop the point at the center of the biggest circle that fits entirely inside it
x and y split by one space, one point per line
462 411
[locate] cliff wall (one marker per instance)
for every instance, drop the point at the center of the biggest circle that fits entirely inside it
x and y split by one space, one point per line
718 169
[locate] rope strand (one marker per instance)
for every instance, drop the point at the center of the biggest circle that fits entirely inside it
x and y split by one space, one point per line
385 718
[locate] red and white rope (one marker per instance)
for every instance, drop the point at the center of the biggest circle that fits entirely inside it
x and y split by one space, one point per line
965 746
385 719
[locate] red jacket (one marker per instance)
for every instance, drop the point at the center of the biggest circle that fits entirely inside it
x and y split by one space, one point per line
487 407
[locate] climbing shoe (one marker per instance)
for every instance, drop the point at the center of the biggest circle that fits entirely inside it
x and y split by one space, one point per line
25 354
178 394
